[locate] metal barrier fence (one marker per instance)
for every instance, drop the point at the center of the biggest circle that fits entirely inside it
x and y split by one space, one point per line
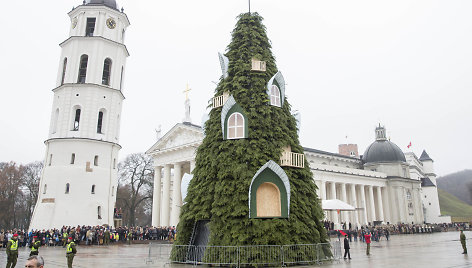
241 256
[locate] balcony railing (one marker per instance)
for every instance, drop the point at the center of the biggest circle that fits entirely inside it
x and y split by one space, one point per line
289 159
219 100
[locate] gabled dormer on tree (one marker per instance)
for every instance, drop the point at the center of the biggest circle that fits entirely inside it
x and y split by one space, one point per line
224 63
233 121
269 193
276 90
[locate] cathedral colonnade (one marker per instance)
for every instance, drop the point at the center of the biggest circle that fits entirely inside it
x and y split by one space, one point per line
373 203
167 197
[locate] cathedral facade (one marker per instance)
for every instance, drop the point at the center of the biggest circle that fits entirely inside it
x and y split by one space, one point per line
384 185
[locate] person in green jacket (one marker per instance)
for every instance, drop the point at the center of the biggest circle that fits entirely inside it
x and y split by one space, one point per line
12 251
70 252
35 246
464 247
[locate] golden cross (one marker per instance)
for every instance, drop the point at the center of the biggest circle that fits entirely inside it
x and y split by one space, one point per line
186 92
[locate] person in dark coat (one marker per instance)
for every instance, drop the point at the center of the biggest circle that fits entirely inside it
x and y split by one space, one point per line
346 247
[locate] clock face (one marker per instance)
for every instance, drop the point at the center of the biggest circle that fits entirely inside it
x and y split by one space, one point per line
111 23
74 23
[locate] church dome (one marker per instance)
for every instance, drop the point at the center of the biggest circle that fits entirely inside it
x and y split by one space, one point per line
108 3
383 150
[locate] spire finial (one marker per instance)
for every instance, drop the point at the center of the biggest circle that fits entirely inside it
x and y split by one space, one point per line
249 7
187 105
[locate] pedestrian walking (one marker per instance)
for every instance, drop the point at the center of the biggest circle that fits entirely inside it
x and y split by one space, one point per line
70 252
346 247
464 247
12 251
367 237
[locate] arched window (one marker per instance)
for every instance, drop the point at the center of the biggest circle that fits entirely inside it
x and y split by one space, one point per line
72 159
114 163
64 67
99 212
106 72
95 161
236 126
50 159
275 96
100 122
54 122
75 126
113 191
45 188
93 189
82 69
67 188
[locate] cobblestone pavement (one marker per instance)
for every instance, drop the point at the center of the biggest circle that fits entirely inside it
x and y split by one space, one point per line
421 250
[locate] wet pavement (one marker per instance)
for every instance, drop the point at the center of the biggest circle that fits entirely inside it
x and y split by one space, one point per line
420 250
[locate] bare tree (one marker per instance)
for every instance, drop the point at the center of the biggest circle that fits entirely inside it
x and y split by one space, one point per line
135 183
11 196
31 175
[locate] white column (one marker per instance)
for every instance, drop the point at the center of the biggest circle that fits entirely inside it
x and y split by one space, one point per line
401 205
386 204
372 204
334 214
323 190
192 165
364 203
166 196
418 206
176 195
344 199
156 198
379 202
354 219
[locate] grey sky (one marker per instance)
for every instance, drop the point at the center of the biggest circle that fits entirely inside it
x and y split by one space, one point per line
348 64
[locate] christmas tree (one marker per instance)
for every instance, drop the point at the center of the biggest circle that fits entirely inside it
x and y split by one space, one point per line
238 175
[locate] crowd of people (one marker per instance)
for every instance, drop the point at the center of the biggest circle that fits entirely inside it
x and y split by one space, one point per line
88 235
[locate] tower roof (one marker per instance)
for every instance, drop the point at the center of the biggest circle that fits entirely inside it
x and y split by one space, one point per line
425 157
108 3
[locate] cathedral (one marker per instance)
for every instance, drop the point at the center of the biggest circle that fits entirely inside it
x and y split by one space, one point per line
384 185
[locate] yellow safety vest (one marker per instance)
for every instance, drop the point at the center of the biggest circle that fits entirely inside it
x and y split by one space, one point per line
64 235
14 245
35 246
69 247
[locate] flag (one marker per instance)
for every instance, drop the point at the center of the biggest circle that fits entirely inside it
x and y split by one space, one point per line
409 145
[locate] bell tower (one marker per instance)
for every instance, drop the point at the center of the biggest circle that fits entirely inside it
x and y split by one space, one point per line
79 179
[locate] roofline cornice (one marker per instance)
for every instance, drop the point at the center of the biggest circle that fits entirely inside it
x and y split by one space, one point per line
117 12
95 37
88 84
85 139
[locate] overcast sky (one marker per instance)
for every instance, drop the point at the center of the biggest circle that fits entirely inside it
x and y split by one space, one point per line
348 65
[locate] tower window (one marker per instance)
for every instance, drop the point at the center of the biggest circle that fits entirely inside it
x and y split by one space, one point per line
67 188
99 212
113 191
236 126
64 67
45 188
72 159
275 96
93 189
76 120
50 159
95 161
114 163
90 26
106 72
82 69
100 122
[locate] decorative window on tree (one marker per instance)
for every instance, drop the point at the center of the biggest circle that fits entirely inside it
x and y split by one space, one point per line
276 90
236 126
233 120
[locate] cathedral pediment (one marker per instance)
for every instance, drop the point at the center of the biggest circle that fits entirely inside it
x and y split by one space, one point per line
181 135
